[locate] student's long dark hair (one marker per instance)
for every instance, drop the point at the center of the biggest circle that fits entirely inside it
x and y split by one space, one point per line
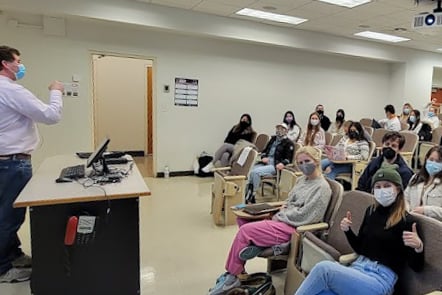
340 120
417 114
293 122
360 130
242 128
422 175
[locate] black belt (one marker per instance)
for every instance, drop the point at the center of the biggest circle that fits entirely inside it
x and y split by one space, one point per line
20 156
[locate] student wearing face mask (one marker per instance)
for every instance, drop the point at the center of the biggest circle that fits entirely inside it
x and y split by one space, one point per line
277 153
392 143
356 148
294 130
242 130
314 135
306 203
325 121
387 242
338 126
406 112
431 118
20 110
424 192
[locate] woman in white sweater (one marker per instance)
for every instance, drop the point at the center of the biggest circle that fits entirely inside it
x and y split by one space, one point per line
424 192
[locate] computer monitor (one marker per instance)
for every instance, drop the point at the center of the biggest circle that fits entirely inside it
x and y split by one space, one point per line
97 155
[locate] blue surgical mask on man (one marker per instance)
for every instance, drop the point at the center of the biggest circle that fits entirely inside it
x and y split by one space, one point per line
21 72
433 167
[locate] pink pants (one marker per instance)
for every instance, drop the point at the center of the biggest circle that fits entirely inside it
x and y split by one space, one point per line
264 233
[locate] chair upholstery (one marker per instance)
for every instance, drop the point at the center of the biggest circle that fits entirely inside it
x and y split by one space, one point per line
409 148
333 205
369 130
377 136
430 278
261 141
336 138
228 188
313 248
328 137
366 122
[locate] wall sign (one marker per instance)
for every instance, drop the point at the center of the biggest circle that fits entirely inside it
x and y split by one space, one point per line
186 92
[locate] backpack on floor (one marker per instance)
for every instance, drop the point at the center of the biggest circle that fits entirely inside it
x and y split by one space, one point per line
203 160
255 284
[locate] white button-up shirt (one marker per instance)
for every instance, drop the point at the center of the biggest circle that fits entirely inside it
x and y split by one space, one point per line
19 112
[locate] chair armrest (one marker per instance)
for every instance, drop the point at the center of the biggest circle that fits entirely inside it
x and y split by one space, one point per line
276 204
344 161
242 214
435 293
312 227
234 177
347 259
406 153
221 169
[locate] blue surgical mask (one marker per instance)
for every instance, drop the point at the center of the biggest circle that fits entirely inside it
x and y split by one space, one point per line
385 196
21 72
412 119
406 111
433 167
430 114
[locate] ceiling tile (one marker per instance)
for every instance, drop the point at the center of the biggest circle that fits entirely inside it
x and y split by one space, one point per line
187 4
216 8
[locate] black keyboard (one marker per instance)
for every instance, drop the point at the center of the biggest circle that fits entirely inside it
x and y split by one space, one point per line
73 172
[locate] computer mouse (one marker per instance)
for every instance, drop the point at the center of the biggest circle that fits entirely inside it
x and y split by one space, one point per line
60 180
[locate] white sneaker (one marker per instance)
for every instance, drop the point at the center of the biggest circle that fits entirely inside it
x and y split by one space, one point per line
208 168
15 275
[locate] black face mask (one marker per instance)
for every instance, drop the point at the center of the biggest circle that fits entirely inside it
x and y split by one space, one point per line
320 112
388 153
244 124
353 134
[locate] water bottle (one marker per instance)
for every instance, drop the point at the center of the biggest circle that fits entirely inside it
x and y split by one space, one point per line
166 172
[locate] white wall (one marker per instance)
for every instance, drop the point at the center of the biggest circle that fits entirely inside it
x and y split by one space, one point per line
437 77
234 78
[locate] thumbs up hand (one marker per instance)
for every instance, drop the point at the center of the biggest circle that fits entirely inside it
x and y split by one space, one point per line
411 239
346 222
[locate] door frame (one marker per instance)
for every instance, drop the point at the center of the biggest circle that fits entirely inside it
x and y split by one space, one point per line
150 119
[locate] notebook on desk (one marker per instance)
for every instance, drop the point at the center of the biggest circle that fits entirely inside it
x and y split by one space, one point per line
335 153
257 209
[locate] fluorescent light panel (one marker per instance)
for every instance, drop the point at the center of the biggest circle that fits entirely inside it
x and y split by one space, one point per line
440 49
346 3
381 36
281 18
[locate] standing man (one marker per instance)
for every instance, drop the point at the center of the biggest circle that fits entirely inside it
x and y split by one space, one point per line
19 112
325 121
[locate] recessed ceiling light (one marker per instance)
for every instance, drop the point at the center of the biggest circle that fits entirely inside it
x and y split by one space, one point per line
440 49
381 36
346 3
281 18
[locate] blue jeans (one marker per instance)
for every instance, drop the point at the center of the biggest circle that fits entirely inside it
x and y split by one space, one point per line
14 174
363 277
336 169
260 170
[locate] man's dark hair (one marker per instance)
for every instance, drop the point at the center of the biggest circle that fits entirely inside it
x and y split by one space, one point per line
389 108
7 54
393 136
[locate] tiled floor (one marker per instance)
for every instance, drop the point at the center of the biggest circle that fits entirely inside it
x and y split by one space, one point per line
182 252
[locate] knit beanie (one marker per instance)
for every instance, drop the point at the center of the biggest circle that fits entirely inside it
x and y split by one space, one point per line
387 172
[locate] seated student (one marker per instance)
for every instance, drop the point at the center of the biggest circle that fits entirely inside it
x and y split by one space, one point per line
424 192
431 118
294 129
391 123
307 203
242 130
414 121
406 112
392 143
325 121
387 242
314 135
277 153
338 126
356 148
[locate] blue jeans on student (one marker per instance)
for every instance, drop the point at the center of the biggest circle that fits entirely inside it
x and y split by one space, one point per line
14 174
336 169
260 170
362 277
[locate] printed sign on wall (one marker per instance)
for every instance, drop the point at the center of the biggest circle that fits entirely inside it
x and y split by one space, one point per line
186 92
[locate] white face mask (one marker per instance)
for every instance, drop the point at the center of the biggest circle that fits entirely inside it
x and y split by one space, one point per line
385 196
314 122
